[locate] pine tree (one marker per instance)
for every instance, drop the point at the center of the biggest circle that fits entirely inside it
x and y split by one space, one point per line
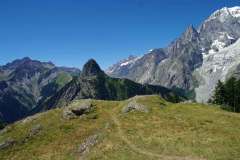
219 94
228 94
237 92
230 88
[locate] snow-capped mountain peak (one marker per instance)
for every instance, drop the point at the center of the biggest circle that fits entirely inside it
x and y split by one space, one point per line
224 13
194 61
216 66
235 11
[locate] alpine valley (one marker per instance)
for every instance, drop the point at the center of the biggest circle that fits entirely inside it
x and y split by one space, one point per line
30 86
150 107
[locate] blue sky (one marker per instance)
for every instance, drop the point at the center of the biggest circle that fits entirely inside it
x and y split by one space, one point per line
69 32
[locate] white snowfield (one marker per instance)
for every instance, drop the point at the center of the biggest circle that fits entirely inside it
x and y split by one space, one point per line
235 11
221 53
220 59
216 66
223 13
126 62
131 61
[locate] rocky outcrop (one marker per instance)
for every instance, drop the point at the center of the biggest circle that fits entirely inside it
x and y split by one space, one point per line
77 111
7 143
35 130
91 68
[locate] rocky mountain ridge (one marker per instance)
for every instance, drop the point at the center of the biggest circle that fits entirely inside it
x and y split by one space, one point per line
177 65
94 83
25 82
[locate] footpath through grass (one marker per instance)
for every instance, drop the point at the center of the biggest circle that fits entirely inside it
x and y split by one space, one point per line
167 131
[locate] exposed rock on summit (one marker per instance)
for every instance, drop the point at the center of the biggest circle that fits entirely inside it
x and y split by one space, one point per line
91 68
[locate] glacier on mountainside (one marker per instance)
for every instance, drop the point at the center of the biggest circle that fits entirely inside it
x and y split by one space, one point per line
216 66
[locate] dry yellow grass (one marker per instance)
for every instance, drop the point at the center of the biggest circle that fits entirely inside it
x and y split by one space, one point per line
168 131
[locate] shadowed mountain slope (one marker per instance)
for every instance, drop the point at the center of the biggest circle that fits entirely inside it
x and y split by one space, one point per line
94 83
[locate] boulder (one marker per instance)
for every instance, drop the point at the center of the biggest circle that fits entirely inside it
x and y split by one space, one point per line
78 111
7 143
68 114
35 130
134 106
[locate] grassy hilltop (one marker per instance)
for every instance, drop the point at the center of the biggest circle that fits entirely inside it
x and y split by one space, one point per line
156 130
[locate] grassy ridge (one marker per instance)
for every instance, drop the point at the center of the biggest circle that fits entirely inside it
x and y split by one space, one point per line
169 131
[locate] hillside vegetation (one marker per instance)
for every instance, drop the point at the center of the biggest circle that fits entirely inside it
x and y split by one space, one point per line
95 84
227 95
140 128
27 83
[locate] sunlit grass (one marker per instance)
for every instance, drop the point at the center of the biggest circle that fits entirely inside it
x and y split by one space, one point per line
184 130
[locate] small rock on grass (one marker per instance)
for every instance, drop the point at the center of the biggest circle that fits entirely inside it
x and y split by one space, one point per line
134 106
7 143
35 130
87 144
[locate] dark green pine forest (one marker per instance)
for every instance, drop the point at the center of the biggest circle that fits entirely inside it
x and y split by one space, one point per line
227 94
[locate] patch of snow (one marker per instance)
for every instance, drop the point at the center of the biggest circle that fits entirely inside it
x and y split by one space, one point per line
216 66
150 50
131 61
125 63
229 37
223 13
235 11
211 51
218 44
109 71
223 35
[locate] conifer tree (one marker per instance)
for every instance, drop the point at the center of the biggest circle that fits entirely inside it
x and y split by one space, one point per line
230 88
237 92
219 94
228 94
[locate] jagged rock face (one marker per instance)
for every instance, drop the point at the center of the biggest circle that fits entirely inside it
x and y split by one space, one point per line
217 66
97 85
220 50
220 29
191 54
138 69
170 67
24 83
122 67
183 58
91 68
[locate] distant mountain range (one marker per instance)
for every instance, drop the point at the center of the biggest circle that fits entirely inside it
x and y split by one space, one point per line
195 61
192 64
29 86
95 84
25 83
